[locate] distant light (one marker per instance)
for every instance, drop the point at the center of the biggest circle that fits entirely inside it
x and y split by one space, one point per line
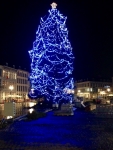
31 110
31 104
102 92
11 87
88 89
108 90
72 91
53 5
9 117
108 102
32 91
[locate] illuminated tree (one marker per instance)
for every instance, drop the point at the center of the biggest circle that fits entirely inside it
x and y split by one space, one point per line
52 59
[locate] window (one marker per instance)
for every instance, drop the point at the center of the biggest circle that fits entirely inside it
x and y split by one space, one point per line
0 82
23 88
0 72
26 89
19 88
15 75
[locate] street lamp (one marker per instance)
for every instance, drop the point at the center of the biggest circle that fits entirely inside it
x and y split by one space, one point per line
108 90
11 87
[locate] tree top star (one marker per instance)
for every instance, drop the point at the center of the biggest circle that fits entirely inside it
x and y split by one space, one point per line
53 5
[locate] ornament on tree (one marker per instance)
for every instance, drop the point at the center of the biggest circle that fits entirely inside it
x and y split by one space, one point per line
52 59
53 5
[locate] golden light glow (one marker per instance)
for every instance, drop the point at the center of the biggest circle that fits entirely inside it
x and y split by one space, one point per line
11 87
31 104
53 5
108 90
102 92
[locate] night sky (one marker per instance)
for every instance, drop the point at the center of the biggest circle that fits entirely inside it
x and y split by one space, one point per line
90 26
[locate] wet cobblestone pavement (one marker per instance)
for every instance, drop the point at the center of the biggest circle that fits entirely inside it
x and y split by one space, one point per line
82 131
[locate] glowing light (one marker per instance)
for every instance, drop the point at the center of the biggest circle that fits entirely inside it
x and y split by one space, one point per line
108 90
31 110
32 91
11 87
52 59
108 102
31 104
102 92
53 5
9 117
88 89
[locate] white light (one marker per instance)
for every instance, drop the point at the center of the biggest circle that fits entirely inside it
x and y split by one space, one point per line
108 102
79 91
32 91
69 91
31 104
11 87
53 5
102 92
73 92
9 117
31 110
108 90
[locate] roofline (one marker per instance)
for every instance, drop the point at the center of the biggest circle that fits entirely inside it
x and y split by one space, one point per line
14 68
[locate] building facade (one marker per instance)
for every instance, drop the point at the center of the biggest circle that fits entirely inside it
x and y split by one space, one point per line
93 89
13 110
23 84
14 84
8 83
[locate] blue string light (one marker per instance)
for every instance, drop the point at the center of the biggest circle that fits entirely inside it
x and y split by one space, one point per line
52 60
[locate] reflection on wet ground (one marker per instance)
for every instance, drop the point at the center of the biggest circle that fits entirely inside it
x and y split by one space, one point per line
81 131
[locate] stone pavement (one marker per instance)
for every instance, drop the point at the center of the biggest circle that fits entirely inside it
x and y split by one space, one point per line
82 131
35 146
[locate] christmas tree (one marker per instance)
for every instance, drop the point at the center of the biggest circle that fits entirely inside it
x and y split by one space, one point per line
52 59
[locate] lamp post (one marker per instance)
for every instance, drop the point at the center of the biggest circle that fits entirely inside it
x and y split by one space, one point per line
11 87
